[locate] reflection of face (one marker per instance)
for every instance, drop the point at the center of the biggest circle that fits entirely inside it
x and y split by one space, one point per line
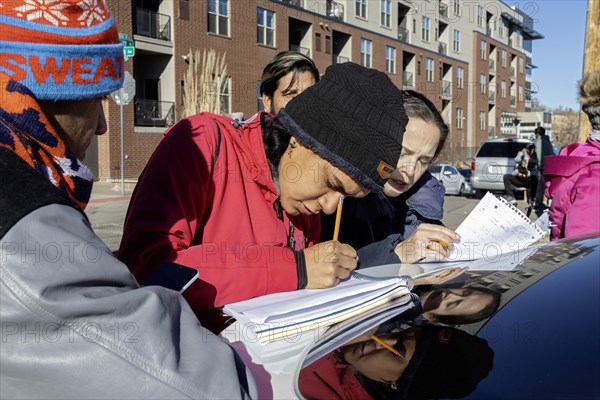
418 149
76 122
309 184
283 95
454 302
378 363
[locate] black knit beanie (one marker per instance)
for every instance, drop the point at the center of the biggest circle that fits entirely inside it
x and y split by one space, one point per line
354 118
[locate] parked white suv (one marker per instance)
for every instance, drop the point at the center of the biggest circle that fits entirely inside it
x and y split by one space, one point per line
495 158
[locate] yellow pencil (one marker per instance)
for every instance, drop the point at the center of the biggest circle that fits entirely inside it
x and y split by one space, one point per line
387 346
338 219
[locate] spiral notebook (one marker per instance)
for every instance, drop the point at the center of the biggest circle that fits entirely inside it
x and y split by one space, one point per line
492 229
280 316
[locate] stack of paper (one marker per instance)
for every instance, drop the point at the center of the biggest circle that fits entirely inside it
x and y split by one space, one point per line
283 315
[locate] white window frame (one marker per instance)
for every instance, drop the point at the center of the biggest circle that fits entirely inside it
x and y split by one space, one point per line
386 13
265 28
521 92
425 28
503 88
503 57
456 41
459 118
521 65
482 120
217 12
457 8
479 15
360 8
390 59
483 49
482 83
366 52
460 77
429 67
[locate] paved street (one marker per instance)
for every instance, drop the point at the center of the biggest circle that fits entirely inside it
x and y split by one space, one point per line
107 209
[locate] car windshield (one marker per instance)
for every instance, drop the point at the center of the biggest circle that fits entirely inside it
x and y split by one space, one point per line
501 149
435 169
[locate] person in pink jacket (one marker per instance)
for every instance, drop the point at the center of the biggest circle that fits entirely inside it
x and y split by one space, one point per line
573 177
239 200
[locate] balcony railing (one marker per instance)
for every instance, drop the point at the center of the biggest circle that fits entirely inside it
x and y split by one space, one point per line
152 24
335 10
337 59
407 80
492 66
403 34
492 96
442 48
446 90
444 11
154 113
299 49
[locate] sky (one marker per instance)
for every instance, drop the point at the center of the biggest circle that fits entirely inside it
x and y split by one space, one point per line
559 56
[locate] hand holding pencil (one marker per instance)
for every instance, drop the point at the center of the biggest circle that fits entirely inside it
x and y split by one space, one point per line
329 262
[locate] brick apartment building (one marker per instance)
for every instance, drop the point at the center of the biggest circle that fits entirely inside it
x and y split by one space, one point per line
472 59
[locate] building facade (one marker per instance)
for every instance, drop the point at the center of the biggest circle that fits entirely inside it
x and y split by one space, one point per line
473 60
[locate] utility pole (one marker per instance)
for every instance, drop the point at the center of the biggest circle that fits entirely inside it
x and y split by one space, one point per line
591 56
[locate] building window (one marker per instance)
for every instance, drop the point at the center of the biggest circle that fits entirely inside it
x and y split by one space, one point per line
457 10
501 28
386 13
425 29
482 120
483 49
218 17
503 57
222 91
479 15
414 25
459 118
390 60
361 8
317 42
460 77
429 70
456 41
365 53
265 27
327 44
520 93
521 65
503 89
482 83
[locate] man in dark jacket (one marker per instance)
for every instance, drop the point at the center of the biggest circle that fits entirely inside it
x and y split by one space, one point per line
75 324
543 148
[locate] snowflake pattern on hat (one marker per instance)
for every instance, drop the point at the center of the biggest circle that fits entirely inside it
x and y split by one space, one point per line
62 13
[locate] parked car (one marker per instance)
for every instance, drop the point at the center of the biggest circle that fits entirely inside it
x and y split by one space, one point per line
494 159
452 180
467 173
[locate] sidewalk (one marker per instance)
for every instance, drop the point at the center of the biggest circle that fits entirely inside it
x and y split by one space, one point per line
110 191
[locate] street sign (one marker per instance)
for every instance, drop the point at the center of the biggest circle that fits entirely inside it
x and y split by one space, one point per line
128 51
127 92
128 46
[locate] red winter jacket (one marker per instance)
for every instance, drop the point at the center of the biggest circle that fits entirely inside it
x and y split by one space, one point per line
222 224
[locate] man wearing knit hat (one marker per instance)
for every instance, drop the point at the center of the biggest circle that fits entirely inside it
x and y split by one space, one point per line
75 323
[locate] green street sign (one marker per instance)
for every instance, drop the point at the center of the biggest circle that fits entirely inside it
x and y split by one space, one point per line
128 51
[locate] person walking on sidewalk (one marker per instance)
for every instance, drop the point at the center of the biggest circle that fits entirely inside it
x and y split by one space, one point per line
75 323
525 176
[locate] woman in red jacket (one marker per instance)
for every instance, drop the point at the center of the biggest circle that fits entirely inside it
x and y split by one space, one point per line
240 201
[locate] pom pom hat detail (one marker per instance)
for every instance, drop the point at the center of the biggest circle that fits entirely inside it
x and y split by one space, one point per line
61 49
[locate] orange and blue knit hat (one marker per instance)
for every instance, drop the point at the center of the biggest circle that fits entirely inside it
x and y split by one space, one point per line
61 49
